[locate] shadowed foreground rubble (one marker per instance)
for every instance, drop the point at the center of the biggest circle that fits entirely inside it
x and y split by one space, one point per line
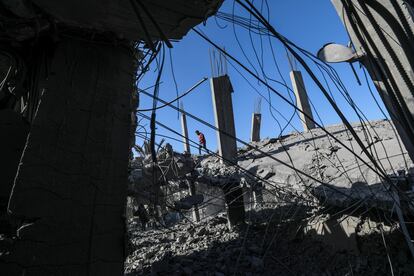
267 245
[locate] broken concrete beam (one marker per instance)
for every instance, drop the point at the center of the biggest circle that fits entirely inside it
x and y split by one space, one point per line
192 190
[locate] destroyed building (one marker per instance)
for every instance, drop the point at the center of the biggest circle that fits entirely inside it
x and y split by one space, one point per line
89 186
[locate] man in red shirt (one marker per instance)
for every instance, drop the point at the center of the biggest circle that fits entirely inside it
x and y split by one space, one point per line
202 141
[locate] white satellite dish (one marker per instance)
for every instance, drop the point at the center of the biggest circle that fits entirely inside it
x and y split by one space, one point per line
334 53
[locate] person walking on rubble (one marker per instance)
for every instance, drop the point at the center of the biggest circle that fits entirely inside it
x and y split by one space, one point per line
202 141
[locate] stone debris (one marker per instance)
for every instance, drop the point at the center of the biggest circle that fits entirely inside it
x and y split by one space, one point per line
261 248
293 224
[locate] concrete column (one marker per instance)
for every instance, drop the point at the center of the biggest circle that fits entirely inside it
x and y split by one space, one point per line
256 122
192 190
221 90
184 130
70 189
388 55
233 196
302 99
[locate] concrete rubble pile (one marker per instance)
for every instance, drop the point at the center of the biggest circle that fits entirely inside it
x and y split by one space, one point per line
264 247
291 225
167 184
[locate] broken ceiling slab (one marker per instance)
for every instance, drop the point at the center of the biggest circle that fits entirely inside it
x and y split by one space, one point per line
175 17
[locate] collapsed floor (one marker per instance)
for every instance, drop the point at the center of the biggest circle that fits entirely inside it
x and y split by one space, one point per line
294 226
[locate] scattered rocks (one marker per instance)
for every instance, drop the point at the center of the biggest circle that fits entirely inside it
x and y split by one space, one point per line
263 248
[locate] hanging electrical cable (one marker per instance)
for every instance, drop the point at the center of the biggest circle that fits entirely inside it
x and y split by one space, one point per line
288 44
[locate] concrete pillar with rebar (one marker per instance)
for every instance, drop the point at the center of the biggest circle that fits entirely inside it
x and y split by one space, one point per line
192 191
256 122
302 100
184 130
221 90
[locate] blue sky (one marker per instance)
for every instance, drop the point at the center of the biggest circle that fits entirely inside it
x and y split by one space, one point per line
309 24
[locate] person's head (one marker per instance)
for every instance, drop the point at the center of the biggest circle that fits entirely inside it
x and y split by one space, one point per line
197 132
